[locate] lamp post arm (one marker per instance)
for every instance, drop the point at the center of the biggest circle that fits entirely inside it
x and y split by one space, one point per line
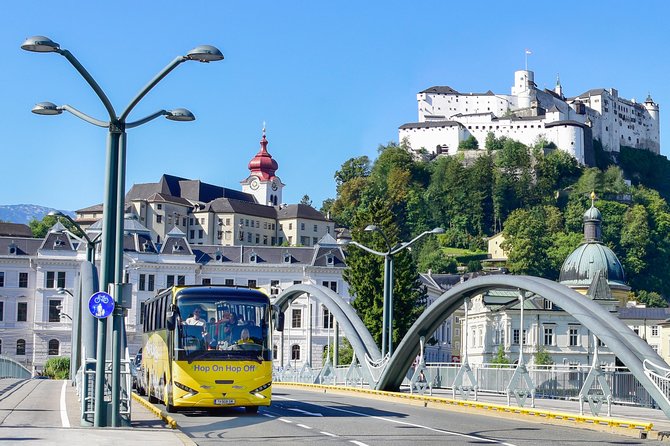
164 72
407 244
365 248
146 119
84 116
85 74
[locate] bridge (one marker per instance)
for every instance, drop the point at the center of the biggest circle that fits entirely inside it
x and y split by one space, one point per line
386 373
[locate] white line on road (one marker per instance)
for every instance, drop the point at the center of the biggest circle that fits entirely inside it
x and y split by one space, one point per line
458 434
303 426
329 434
285 420
359 443
63 410
313 414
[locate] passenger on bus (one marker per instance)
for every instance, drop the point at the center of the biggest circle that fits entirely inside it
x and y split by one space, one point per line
195 319
244 337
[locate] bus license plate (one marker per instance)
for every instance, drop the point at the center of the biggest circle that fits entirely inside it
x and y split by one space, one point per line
223 402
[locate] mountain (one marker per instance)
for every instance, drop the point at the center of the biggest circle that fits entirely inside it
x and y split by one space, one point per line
24 213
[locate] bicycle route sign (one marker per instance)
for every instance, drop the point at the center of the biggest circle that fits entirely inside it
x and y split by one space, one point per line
101 305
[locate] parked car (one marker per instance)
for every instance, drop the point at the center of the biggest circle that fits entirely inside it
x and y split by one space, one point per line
135 366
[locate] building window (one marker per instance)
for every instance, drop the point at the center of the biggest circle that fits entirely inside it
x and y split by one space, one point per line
159 206
302 226
274 287
330 284
548 305
159 218
201 233
2 311
0 346
574 336
229 282
21 347
548 335
191 233
2 279
54 310
54 347
251 283
22 312
23 280
274 351
296 318
316 228
654 330
206 281
170 281
295 352
147 282
290 226
55 279
327 318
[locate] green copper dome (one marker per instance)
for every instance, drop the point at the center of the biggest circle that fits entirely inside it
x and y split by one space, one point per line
592 214
587 260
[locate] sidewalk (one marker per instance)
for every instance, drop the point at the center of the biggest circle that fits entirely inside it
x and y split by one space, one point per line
146 429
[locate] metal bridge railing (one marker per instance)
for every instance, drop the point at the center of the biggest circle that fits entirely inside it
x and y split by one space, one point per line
12 369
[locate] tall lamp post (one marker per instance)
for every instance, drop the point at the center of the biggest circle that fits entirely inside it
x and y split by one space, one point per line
387 309
77 310
112 228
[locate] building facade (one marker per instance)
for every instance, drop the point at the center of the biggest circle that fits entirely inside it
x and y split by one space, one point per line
446 117
213 215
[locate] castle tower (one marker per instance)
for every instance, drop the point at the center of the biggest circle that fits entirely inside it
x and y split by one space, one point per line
651 107
524 87
558 89
262 182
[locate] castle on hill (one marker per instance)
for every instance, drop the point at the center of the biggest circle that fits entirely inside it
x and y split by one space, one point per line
447 117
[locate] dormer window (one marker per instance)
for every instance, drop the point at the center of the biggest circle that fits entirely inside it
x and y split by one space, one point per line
330 259
177 247
287 257
146 246
58 243
253 258
12 248
218 256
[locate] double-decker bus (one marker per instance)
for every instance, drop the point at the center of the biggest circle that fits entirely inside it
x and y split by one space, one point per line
207 347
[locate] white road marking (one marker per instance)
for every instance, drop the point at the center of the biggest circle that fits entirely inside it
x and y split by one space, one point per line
268 415
285 420
359 443
63 410
329 434
443 431
304 426
313 414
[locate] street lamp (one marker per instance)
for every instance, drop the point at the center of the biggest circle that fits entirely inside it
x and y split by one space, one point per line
112 235
90 244
387 309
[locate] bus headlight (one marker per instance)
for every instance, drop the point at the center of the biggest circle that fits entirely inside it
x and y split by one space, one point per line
185 388
257 391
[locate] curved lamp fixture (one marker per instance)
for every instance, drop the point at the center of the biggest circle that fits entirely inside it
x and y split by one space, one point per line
205 54
40 44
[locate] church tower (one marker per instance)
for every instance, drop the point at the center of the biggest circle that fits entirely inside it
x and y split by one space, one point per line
262 182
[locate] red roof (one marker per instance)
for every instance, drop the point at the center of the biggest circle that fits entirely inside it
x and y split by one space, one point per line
262 164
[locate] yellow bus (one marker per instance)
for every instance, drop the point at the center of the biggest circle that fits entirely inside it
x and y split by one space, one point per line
207 347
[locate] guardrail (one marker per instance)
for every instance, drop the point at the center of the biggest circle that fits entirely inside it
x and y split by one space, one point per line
12 369
557 381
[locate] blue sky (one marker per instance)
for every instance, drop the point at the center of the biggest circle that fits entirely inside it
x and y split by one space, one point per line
332 80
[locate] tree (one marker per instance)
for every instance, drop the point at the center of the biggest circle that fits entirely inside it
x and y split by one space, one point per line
500 358
474 266
470 143
57 368
358 167
345 353
40 228
542 357
306 200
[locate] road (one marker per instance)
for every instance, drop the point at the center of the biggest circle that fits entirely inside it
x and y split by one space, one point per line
305 417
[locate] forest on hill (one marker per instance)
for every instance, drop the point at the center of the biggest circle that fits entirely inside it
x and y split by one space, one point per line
536 196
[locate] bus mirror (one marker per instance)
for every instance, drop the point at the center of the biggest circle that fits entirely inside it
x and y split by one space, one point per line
278 318
280 321
170 319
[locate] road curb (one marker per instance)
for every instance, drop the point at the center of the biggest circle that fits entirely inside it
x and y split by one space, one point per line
157 411
620 426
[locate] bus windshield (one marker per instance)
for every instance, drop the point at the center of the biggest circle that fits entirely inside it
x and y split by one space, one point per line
216 327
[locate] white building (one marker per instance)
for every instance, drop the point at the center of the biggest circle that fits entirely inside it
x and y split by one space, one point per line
447 117
33 272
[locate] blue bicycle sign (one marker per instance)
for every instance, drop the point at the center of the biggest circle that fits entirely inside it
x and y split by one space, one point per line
101 305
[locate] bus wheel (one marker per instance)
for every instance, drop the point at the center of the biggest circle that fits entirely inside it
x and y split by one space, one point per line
151 397
251 409
169 408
